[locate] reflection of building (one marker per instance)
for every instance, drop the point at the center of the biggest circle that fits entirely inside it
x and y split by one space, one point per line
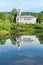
28 38
41 40
18 40
19 45
27 19
24 39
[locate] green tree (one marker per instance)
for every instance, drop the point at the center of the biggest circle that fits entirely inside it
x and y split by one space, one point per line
39 18
13 12
5 25
42 18
3 16
10 18
41 11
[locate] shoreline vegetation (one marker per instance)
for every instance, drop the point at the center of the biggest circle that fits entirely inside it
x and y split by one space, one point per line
8 22
14 33
15 27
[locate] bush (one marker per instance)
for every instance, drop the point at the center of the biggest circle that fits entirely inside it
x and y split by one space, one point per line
39 26
10 18
3 16
5 25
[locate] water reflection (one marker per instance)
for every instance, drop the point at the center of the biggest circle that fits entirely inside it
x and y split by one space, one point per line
21 49
20 38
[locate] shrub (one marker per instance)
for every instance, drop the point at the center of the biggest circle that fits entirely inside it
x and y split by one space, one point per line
5 25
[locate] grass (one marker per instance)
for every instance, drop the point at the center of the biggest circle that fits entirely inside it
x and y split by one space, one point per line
4 32
7 28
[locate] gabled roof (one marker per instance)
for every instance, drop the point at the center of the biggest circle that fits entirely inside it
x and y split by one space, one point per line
25 16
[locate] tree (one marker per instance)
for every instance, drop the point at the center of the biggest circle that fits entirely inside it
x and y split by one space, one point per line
3 16
41 11
39 18
13 12
14 20
10 18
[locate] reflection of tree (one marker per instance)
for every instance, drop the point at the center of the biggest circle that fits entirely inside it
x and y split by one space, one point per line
13 39
38 33
18 44
3 39
40 36
41 40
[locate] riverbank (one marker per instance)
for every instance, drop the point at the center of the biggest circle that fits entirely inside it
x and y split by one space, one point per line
4 32
20 28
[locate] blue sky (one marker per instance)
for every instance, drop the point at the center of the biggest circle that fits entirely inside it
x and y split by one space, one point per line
24 5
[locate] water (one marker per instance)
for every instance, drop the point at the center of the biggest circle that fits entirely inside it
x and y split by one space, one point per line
21 50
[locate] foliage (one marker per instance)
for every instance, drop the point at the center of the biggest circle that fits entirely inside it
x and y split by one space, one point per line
30 13
5 25
13 12
10 18
3 16
38 26
6 22
40 18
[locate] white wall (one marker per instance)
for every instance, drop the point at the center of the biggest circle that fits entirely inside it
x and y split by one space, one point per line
32 21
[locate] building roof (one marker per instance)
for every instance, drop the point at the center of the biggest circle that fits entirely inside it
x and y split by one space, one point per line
26 16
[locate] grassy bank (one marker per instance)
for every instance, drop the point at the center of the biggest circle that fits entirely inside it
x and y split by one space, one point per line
7 27
4 32
23 27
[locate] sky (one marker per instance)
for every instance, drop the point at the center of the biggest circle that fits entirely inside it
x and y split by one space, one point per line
24 5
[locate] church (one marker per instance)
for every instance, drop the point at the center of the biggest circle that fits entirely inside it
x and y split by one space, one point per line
25 19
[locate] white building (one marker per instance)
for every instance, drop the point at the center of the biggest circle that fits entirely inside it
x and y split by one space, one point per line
26 19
